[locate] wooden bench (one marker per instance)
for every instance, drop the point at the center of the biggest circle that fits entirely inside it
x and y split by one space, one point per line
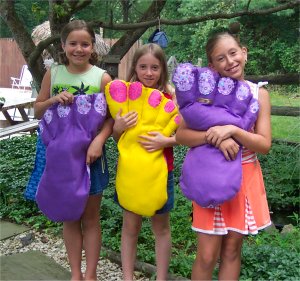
18 128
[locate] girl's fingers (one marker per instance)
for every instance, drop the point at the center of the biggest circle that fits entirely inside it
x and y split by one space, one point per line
130 115
144 137
230 155
218 143
226 155
65 98
119 113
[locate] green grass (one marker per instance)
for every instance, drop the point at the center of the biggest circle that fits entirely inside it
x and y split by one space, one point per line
285 127
279 98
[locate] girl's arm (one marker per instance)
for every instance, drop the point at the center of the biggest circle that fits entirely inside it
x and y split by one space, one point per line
192 138
105 79
44 101
155 141
189 137
260 141
95 148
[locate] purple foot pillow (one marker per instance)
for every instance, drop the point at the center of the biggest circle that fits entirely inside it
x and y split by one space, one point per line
205 100
67 132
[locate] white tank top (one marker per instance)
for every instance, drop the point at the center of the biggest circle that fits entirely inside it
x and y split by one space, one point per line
247 155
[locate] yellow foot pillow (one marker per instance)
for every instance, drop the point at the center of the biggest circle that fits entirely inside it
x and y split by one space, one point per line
141 180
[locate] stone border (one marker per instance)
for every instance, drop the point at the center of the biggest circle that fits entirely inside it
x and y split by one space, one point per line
148 269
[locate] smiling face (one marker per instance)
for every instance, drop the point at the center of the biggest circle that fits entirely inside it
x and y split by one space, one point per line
78 48
228 58
148 70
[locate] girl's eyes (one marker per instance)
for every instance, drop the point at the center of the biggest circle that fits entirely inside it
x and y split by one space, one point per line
232 53
154 67
84 45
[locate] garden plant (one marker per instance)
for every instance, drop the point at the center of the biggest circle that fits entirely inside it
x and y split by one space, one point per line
272 255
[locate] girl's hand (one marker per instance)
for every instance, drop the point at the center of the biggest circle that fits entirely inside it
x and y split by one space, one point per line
215 135
63 98
153 141
126 121
94 152
229 148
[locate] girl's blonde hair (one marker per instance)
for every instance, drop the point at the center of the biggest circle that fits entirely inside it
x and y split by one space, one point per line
214 39
77 25
158 53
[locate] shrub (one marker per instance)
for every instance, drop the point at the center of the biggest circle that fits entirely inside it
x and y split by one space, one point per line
266 256
271 256
281 174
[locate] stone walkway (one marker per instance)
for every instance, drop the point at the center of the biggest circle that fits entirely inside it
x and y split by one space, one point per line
30 255
26 254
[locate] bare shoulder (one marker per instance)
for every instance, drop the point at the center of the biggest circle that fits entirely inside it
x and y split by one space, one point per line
44 92
47 75
263 91
264 100
263 95
105 79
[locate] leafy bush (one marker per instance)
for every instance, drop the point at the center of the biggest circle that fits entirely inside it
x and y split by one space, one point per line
281 174
17 160
271 256
266 256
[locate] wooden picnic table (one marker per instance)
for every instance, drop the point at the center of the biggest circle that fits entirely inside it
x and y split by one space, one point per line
18 126
19 105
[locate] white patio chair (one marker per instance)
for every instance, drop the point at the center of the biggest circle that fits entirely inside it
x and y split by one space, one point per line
24 81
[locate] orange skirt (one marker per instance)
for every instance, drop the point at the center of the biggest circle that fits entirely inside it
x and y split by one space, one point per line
246 213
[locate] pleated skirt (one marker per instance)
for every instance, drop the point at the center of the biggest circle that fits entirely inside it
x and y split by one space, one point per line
246 213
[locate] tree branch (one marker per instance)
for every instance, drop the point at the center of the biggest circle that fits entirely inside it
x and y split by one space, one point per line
193 20
248 5
78 6
41 46
122 46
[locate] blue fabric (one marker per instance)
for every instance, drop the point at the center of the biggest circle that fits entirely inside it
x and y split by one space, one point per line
38 169
170 189
99 175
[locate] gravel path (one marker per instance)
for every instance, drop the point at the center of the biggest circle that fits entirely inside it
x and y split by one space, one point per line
54 248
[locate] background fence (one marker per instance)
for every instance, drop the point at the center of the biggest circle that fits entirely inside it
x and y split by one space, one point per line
12 60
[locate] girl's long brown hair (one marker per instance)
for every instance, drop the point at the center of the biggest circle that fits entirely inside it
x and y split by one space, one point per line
77 25
158 53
